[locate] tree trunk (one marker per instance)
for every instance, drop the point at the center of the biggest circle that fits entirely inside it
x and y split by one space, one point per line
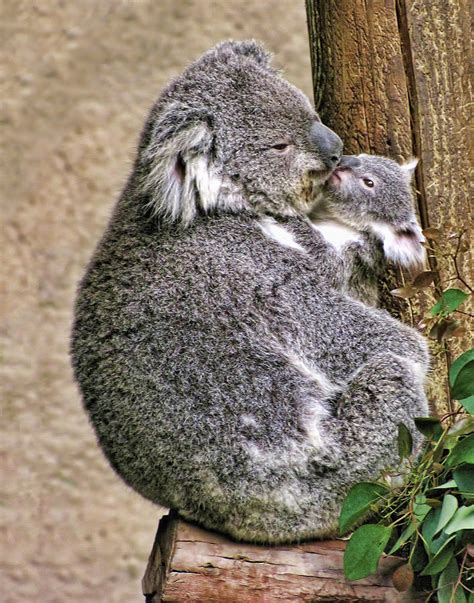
391 77
188 563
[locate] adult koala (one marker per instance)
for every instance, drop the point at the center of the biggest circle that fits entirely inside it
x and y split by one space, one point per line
210 354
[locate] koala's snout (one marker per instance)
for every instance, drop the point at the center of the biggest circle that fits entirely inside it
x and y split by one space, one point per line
343 170
343 173
327 143
349 161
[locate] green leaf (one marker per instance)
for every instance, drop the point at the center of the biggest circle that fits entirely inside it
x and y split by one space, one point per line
433 502
449 508
468 404
357 503
405 441
462 426
462 520
449 301
429 426
438 543
450 443
445 486
464 383
364 550
419 557
459 363
464 478
403 538
421 508
447 581
463 452
440 560
429 526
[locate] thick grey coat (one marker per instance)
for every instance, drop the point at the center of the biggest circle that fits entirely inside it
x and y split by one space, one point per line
224 373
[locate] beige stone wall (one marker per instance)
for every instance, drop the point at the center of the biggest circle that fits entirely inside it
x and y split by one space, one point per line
78 79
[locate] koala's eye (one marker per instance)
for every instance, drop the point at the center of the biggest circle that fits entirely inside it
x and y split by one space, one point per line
281 147
368 182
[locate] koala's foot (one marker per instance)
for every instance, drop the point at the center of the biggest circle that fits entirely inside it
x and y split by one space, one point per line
386 391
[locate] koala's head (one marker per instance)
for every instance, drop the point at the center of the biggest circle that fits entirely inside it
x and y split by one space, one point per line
230 134
373 194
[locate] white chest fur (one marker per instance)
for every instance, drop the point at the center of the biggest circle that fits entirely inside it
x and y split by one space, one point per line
278 233
336 234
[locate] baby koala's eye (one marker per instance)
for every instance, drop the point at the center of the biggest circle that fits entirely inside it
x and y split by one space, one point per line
368 182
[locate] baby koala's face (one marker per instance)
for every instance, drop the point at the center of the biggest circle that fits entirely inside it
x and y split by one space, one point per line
373 194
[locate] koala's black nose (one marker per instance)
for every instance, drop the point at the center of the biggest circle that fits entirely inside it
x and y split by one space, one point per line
327 143
349 161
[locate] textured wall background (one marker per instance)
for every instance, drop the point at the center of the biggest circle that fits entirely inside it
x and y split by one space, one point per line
79 80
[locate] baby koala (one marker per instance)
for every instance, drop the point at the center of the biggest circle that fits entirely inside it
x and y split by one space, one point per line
366 216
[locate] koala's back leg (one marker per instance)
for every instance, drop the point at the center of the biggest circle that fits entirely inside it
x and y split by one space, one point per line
384 392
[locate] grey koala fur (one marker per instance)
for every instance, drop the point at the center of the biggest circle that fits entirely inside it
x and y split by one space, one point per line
224 375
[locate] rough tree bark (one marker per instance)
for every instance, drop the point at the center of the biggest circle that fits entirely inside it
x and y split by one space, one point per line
392 77
191 564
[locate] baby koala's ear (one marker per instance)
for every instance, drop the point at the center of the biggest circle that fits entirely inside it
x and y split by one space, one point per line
408 168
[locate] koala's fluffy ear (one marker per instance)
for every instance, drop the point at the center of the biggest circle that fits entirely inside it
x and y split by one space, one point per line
246 49
409 167
179 175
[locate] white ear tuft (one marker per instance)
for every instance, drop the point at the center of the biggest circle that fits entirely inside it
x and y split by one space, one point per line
402 245
179 175
409 167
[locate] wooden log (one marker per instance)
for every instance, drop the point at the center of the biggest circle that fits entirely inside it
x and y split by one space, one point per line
188 563
392 77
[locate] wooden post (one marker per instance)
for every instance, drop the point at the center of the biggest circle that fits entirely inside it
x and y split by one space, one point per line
188 563
392 77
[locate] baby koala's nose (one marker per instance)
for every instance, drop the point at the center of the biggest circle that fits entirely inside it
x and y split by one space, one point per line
327 143
349 161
